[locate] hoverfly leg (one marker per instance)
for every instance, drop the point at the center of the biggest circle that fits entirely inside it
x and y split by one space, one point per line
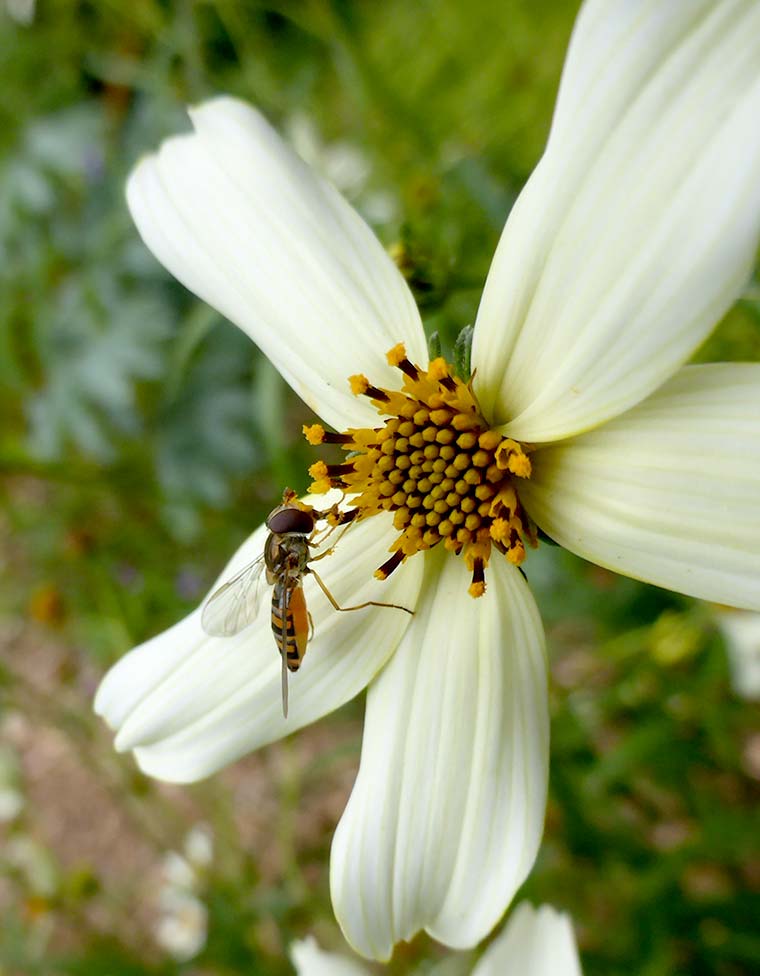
359 606
346 519
331 550
311 625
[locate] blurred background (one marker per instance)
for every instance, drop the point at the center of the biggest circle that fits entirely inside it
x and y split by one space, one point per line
143 437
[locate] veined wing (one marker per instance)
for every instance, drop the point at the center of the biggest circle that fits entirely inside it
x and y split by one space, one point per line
235 604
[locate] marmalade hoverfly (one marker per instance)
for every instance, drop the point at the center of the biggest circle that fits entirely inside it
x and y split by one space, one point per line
286 559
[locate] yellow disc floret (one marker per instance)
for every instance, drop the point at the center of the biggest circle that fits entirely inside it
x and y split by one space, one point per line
436 465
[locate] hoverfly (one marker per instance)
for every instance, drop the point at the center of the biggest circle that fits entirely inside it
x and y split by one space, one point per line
286 559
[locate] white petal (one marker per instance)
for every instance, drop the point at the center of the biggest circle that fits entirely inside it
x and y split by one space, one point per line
241 221
188 703
310 960
535 942
668 492
447 811
741 633
639 227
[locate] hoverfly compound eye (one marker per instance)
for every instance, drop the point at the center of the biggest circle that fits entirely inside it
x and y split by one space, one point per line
291 519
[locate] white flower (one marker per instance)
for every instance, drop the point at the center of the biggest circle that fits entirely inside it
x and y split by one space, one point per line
535 942
182 923
635 234
344 165
199 846
11 798
741 632
11 803
21 11
181 928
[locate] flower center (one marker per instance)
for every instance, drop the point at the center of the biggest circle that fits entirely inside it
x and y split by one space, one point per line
436 465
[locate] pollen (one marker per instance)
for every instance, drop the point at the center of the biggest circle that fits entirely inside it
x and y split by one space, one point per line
314 434
434 464
359 384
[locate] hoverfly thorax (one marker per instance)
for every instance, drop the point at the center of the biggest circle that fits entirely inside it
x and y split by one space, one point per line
286 551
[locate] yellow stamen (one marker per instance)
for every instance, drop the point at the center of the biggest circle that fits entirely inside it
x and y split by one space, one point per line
318 470
359 384
511 457
314 434
438 370
396 355
436 466
500 530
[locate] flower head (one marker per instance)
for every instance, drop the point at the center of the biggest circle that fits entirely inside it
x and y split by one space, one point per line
636 232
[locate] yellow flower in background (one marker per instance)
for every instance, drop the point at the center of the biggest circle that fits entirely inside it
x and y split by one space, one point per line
636 232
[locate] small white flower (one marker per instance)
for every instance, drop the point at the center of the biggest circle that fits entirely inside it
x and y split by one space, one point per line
178 872
22 11
344 165
199 846
741 632
310 960
182 924
11 803
11 798
534 942
635 234
34 862
181 928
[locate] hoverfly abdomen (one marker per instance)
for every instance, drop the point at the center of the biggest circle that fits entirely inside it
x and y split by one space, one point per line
290 623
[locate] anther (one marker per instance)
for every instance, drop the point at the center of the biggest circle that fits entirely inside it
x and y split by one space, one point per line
316 434
360 386
384 571
397 357
438 370
478 585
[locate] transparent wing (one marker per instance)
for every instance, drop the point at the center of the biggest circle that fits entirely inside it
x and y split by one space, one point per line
235 604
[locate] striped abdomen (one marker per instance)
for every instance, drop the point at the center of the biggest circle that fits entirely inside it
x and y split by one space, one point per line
290 603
